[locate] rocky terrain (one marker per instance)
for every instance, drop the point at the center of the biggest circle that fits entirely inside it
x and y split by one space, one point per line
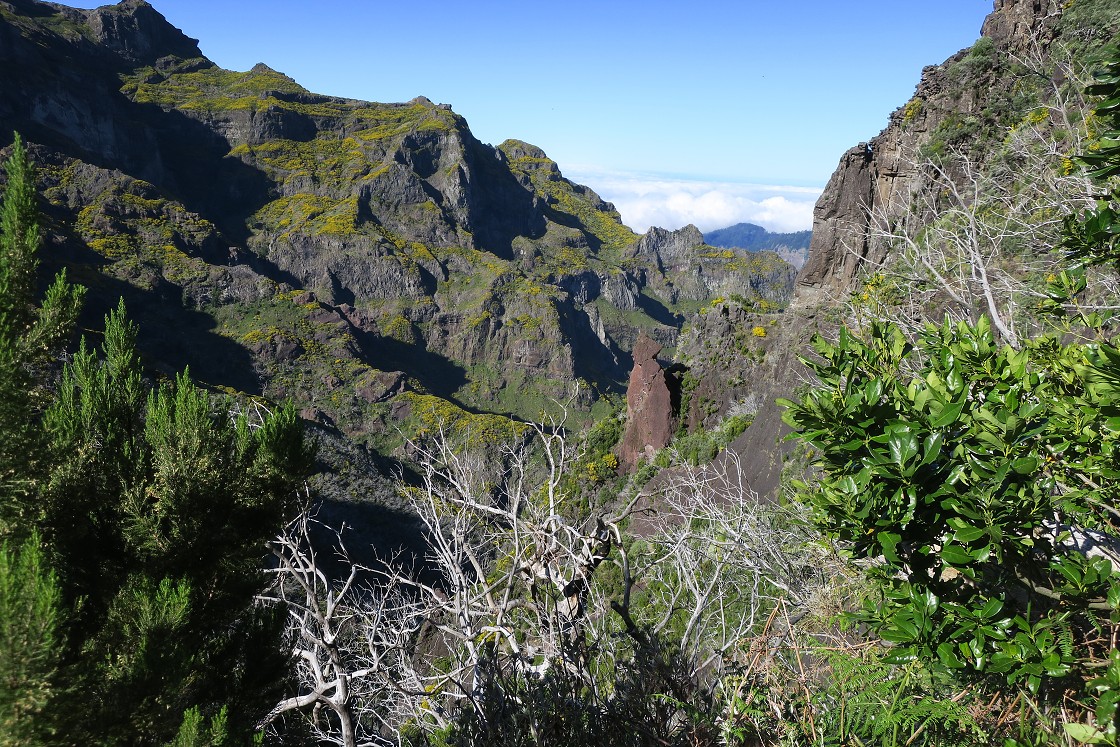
374 262
738 357
390 273
966 105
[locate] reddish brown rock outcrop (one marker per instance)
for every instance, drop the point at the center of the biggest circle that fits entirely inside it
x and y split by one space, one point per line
649 406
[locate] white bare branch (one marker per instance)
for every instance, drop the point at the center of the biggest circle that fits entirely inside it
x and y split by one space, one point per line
976 238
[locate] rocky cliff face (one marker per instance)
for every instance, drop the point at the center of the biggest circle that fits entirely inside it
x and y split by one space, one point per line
335 251
683 268
1014 25
965 105
957 103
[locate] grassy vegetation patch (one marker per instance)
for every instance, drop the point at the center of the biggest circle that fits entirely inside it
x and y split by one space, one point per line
430 415
310 214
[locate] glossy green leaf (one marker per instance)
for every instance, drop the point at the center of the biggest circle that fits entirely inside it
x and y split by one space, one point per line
1085 733
955 555
991 608
948 656
889 541
949 414
968 534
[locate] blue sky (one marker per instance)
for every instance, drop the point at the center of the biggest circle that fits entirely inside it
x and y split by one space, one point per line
703 111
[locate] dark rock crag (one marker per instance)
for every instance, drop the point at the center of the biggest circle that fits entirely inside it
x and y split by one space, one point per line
967 102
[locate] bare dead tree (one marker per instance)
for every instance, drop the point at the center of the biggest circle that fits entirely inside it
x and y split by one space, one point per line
510 571
347 639
507 578
720 563
509 585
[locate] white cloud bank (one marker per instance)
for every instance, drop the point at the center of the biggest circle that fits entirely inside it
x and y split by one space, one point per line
645 201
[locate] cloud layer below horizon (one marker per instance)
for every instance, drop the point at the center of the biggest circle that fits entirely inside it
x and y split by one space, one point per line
649 200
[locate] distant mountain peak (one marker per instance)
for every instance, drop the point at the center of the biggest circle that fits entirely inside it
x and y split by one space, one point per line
792 247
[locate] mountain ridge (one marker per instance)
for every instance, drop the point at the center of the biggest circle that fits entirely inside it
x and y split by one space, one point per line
792 247
338 252
960 104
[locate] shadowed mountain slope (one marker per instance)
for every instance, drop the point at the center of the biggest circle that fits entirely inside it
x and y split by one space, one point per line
374 262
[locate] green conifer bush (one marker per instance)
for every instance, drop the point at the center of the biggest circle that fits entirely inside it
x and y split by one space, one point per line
135 520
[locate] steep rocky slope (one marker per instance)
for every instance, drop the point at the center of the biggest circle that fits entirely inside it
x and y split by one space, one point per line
964 106
376 262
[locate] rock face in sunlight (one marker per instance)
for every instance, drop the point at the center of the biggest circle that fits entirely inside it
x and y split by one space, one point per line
962 112
1017 24
338 252
649 406
962 105
690 270
137 32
